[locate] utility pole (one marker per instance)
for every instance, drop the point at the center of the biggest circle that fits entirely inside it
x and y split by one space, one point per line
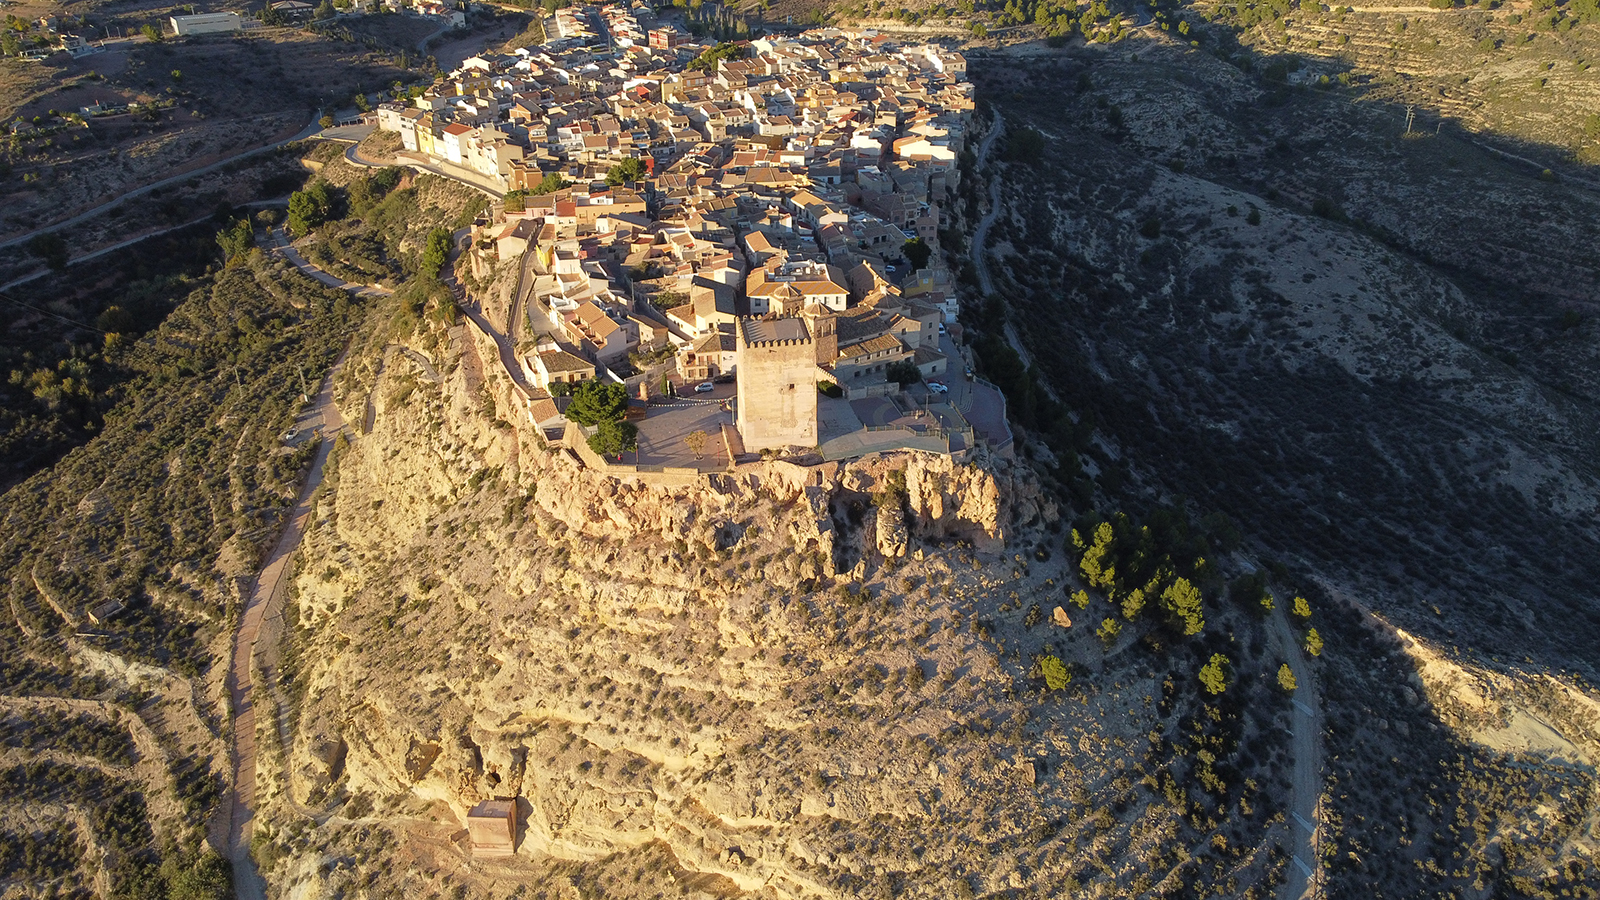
1411 115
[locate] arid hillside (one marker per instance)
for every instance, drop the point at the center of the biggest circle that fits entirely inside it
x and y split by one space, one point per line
1373 352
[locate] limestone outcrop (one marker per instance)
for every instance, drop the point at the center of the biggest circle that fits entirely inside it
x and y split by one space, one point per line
713 671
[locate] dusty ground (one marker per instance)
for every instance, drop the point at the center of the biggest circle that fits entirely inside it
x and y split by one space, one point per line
216 96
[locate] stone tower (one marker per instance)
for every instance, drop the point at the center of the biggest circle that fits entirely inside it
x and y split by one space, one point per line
824 326
777 362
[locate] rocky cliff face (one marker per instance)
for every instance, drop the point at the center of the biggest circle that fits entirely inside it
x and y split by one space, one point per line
758 682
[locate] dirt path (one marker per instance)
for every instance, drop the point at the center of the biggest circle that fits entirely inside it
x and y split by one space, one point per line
266 601
980 239
306 132
1306 779
980 236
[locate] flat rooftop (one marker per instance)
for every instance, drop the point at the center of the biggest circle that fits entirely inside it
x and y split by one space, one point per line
761 330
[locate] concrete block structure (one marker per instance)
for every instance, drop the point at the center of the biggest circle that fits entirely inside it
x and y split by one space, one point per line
492 828
777 364
206 23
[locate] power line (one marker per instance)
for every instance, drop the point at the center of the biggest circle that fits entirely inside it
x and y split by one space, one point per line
45 312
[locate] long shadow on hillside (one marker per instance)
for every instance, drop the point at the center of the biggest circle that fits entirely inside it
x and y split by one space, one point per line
1392 482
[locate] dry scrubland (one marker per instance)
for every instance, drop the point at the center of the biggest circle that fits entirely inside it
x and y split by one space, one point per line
789 683
1376 354
216 96
113 736
1520 71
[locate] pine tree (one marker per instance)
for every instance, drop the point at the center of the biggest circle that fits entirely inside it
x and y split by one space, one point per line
1214 674
1300 609
1108 631
1097 567
1313 643
1182 600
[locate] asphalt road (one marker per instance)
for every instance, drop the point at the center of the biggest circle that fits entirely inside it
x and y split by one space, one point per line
85 216
102 252
266 601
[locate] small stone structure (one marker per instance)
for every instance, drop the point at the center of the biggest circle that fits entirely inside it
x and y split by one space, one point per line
492 828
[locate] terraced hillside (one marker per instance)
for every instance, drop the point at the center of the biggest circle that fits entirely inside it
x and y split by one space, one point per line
1517 71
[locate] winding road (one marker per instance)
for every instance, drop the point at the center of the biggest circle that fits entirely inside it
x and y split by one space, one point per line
1306 779
86 215
980 237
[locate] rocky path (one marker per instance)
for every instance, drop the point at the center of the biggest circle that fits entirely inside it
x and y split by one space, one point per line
266 601
1306 779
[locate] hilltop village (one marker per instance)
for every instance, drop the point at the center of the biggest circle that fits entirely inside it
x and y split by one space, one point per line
744 235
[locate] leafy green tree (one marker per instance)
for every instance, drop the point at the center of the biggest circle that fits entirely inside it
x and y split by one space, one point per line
309 208
1286 678
696 441
1313 643
594 403
1182 600
613 438
326 11
707 61
236 241
1055 673
630 169
551 183
435 254
1080 599
1255 216
206 877
152 34
918 252
1214 674
326 121
1024 145
362 103
903 372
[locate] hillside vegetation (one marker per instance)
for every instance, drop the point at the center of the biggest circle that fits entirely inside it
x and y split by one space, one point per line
1375 356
